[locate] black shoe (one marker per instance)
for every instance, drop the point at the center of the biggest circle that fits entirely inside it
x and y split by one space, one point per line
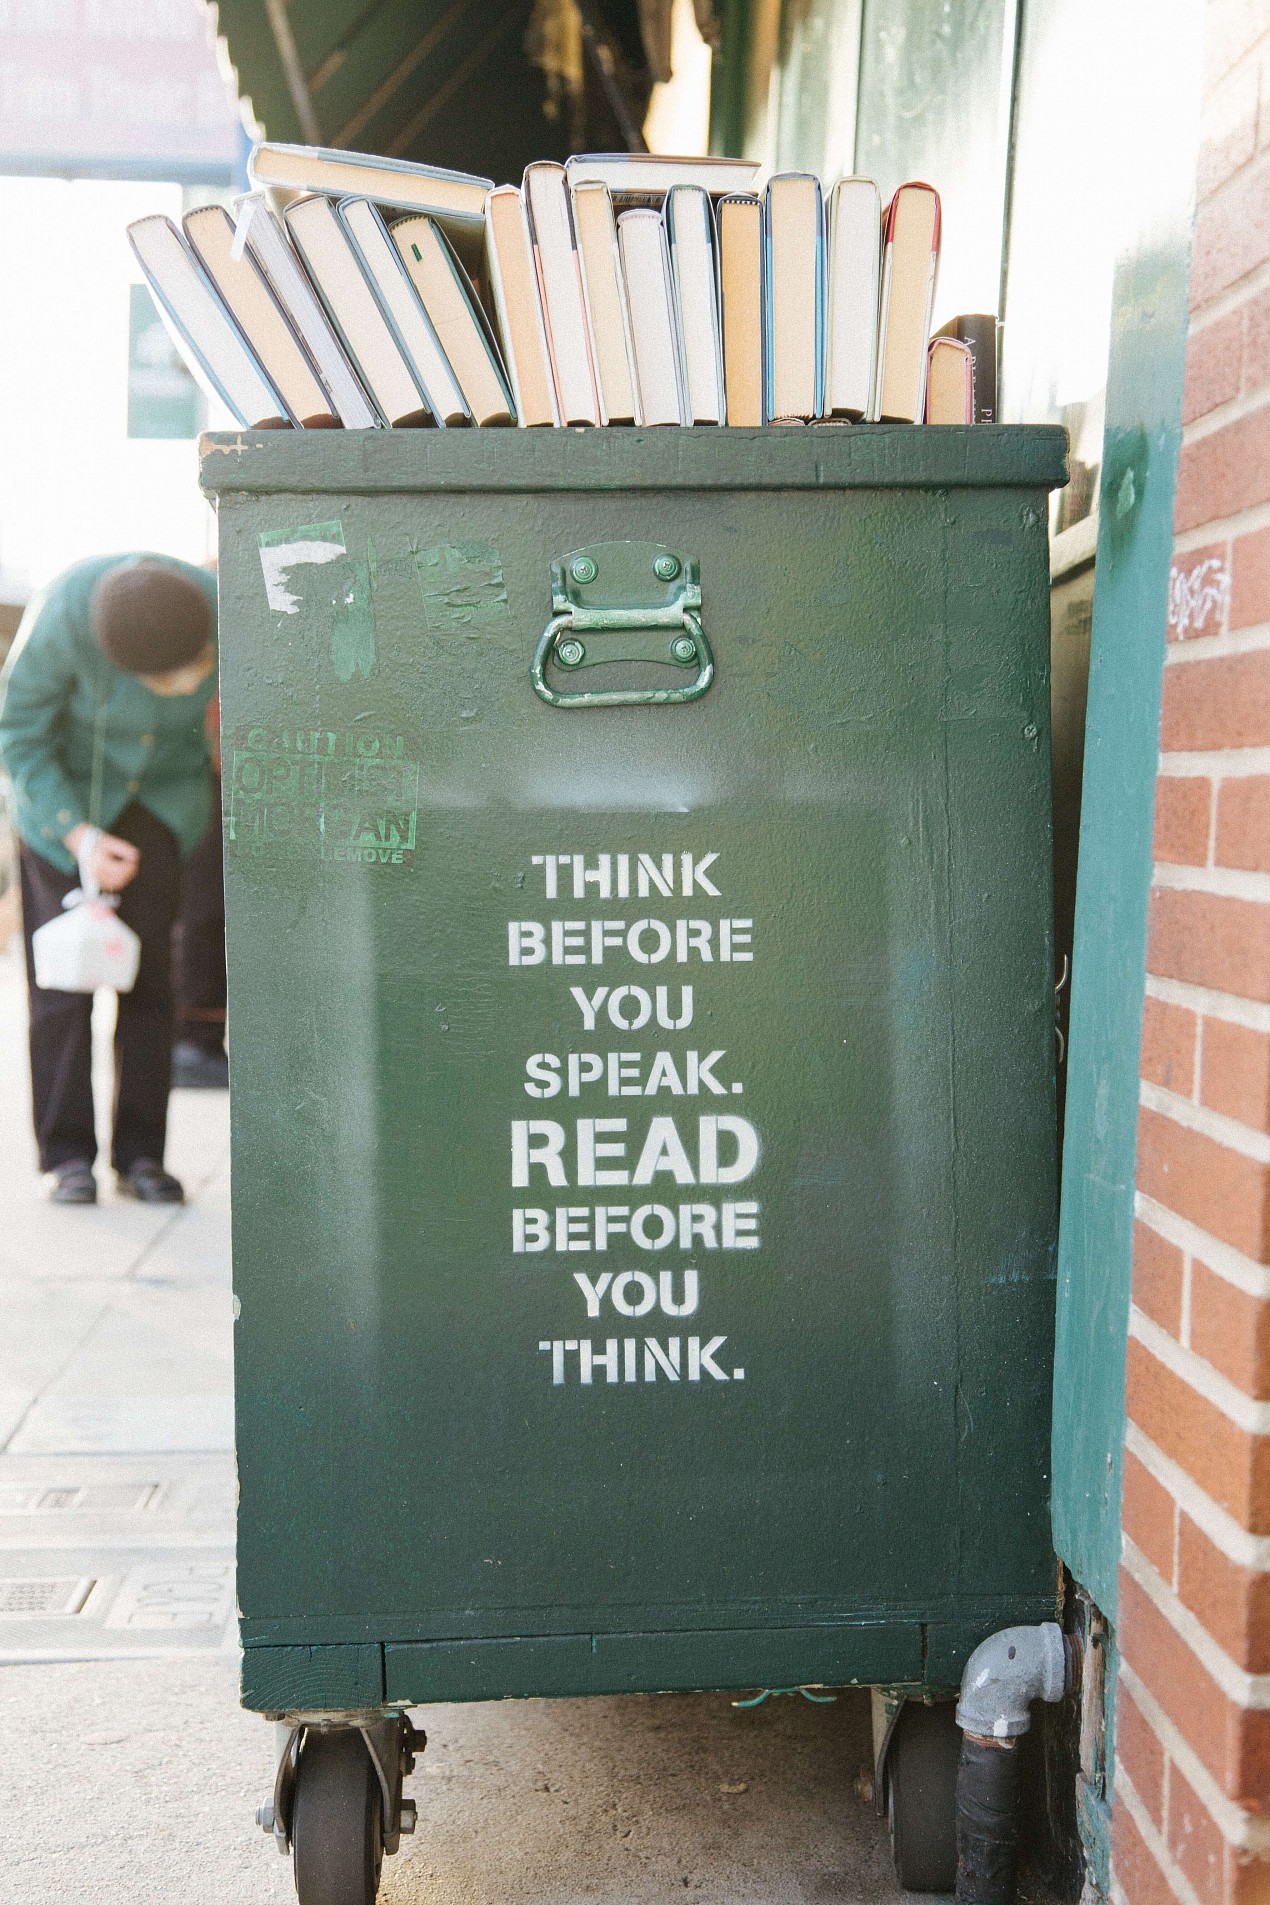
149 1183
73 1183
196 1069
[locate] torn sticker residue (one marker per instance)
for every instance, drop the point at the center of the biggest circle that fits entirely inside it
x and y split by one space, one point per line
282 550
462 586
353 620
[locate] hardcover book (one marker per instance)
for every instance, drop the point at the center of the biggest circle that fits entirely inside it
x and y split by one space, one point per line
402 183
641 234
247 295
910 265
794 297
446 294
201 327
518 307
332 262
693 276
853 285
269 245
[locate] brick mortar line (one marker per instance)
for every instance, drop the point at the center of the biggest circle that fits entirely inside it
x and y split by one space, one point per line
1244 1549
1213 82
1235 410
1189 649
1231 297
1173 1876
1241 1272
1259 160
1232 1007
1242 1139
1220 883
1238 522
1217 763
1245 1411
1249 1691
1242 1830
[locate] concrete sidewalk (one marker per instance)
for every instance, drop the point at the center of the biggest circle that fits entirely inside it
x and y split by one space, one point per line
128 1773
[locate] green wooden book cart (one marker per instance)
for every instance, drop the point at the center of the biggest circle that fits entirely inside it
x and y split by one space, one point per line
638 866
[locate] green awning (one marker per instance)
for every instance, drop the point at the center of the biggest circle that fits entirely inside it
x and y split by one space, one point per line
481 85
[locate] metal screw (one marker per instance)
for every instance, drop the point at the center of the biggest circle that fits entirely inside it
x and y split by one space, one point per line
569 653
409 1816
264 1817
684 649
582 569
864 1785
666 567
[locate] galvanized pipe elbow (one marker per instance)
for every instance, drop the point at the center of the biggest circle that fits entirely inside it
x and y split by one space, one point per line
1006 1673
1002 1678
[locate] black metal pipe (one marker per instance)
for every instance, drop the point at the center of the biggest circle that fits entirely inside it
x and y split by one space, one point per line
987 1821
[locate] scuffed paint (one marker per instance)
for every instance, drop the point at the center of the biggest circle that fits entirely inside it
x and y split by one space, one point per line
462 586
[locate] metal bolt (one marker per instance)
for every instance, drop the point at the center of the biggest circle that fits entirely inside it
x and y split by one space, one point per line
666 567
409 1816
684 649
569 653
864 1785
582 569
264 1817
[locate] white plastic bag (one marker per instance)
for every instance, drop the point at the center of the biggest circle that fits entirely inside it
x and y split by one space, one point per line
87 947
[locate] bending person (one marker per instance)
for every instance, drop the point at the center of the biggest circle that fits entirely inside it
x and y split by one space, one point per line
102 734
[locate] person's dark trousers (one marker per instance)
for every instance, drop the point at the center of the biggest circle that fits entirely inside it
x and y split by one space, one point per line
200 944
61 1029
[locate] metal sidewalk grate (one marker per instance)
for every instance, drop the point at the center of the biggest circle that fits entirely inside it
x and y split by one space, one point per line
60 1594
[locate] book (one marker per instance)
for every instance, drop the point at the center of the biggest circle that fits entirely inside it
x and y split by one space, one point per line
910 264
641 236
604 290
649 176
690 243
793 297
271 248
852 287
413 328
950 382
560 286
446 294
245 291
201 327
332 262
740 226
978 330
402 183
517 303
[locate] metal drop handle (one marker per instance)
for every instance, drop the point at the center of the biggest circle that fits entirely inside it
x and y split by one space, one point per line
644 590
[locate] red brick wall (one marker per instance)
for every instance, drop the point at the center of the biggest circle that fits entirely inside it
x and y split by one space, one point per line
1191 1814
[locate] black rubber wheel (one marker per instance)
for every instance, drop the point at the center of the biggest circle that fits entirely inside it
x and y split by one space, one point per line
337 1839
921 1796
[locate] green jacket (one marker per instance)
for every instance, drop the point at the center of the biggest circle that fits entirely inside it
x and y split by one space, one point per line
80 738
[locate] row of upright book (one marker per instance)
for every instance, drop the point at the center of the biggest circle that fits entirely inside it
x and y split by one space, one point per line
358 292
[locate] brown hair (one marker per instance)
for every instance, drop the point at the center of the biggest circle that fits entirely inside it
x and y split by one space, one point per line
149 619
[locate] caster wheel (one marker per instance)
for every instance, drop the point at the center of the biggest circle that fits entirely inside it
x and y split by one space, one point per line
921 1797
337 1839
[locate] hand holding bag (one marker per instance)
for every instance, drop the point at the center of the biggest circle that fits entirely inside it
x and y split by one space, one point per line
89 945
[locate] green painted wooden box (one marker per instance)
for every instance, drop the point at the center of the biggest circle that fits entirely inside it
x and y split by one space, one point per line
643 1114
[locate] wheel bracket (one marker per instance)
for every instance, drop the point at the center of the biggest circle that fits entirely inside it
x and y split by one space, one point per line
391 1740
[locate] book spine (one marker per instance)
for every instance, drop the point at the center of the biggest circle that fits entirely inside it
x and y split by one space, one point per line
818 403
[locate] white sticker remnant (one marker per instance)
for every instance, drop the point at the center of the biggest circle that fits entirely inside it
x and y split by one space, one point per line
282 550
